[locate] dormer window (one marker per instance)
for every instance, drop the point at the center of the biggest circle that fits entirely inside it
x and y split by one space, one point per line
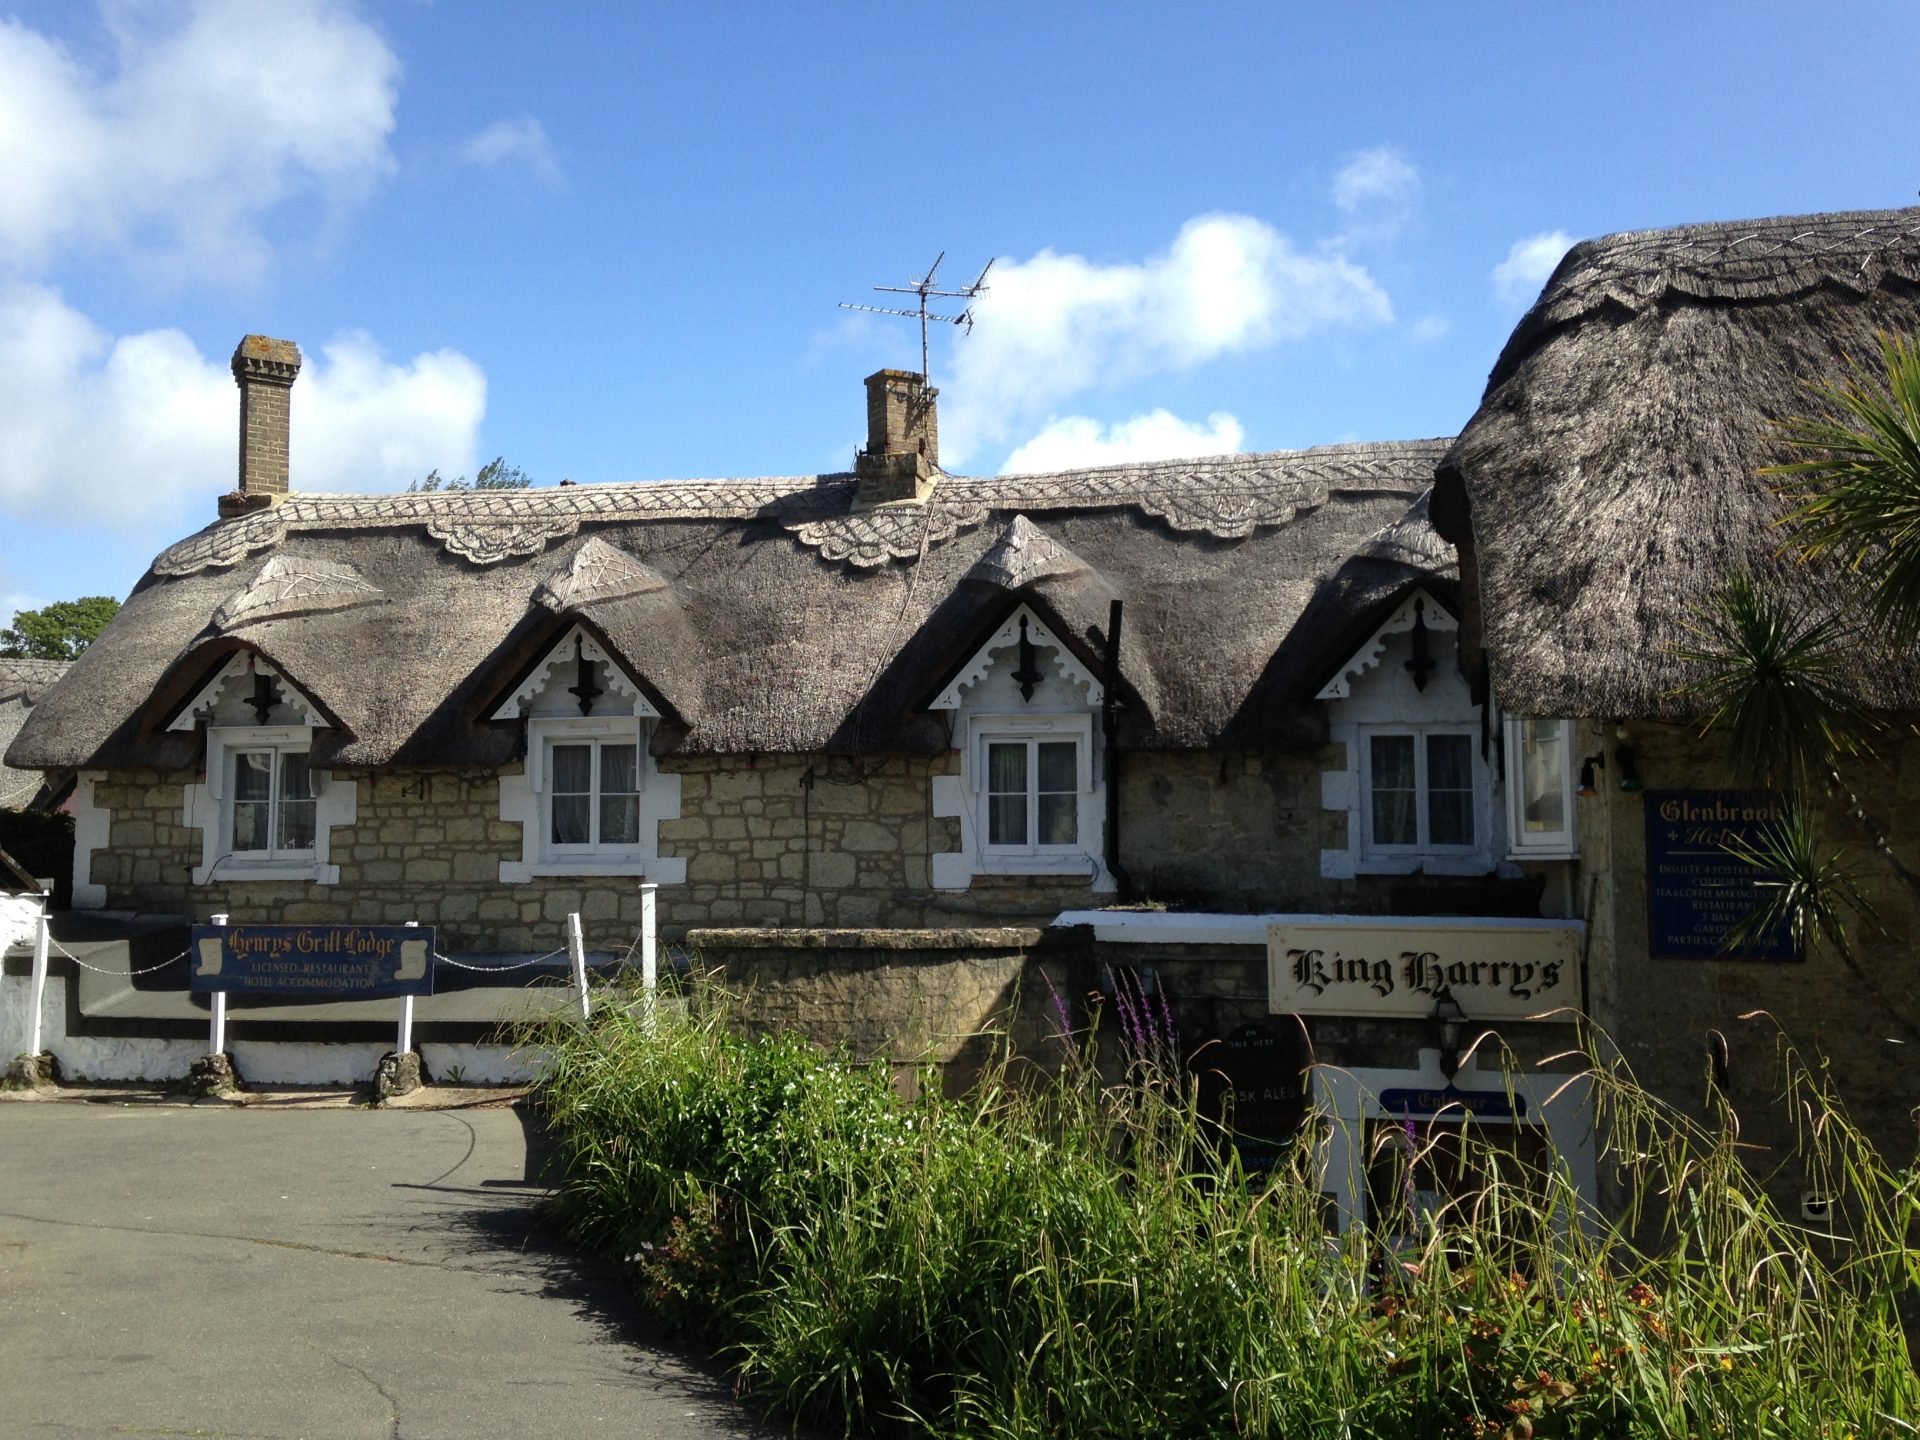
274 809
1415 783
263 811
1421 791
1030 796
590 799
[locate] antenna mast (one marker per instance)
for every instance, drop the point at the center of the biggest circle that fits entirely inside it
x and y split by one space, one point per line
925 289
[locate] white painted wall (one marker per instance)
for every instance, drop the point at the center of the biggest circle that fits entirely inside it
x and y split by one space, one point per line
266 1062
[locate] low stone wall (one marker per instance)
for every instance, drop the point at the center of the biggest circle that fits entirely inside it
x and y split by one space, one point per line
951 997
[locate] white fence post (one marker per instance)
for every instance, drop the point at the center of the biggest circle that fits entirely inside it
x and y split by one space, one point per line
577 952
405 1042
649 938
217 1040
41 942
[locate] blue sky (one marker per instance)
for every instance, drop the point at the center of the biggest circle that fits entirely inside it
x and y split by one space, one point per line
607 240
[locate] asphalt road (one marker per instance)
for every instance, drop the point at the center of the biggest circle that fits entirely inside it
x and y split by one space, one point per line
263 1272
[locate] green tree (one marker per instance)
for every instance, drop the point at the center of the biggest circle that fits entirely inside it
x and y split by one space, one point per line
59 631
496 474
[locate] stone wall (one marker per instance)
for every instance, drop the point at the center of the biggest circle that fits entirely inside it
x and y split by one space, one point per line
949 997
1661 1012
779 841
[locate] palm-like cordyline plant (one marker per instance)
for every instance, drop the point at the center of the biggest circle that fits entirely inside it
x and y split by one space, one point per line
1777 685
1857 496
1782 687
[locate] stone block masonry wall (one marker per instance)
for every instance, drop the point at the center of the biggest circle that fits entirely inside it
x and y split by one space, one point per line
1661 1012
425 847
812 840
783 841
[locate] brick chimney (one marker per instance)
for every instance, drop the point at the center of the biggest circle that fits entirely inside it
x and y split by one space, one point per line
902 458
264 369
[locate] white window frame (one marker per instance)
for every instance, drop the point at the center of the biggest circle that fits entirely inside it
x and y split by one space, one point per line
209 809
276 768
1083 856
527 799
595 734
1032 738
1563 844
1423 846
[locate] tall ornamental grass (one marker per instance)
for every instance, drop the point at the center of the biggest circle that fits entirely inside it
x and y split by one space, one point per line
1074 1258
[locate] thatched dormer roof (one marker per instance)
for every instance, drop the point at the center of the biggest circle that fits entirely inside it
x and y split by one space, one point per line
1608 475
767 615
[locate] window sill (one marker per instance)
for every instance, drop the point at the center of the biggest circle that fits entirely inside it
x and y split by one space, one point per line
585 866
1475 864
235 872
1080 864
1523 856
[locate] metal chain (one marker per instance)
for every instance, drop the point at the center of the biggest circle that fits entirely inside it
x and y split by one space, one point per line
495 969
101 970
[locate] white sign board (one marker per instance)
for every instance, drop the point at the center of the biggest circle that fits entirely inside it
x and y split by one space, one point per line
1397 966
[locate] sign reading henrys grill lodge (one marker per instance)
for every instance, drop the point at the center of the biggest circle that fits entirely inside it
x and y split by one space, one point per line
341 962
1367 966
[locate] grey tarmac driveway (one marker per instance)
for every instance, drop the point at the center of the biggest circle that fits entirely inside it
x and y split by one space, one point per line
309 1274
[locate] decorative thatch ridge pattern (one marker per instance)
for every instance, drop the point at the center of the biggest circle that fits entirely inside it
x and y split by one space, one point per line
29 680
767 616
286 587
1763 260
595 574
1227 496
1607 482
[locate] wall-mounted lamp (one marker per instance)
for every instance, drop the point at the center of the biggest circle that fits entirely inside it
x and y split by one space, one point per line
1444 1023
1587 789
1630 781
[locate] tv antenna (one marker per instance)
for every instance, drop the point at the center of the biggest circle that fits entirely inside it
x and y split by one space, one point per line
925 288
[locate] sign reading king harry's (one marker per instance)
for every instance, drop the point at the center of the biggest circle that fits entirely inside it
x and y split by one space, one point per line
1363 965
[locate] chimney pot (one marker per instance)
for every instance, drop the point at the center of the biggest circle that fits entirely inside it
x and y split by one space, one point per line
264 368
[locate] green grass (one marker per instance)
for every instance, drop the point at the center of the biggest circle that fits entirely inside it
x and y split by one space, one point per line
1072 1258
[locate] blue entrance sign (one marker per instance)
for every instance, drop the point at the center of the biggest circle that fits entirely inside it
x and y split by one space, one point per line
344 962
1481 1104
1697 892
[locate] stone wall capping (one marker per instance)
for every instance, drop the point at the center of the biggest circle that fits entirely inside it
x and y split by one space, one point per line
818 938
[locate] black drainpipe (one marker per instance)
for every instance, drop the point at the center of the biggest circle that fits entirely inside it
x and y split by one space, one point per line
1110 725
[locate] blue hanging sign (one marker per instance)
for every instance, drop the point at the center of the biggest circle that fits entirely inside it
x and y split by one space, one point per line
1697 891
338 962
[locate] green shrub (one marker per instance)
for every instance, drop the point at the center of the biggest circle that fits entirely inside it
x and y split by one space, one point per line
1078 1259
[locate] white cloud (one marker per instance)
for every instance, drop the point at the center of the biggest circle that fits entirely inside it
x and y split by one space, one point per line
1070 442
1381 176
516 142
122 430
209 120
1057 324
1518 278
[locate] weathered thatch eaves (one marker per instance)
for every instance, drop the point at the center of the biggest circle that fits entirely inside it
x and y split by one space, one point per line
766 615
1608 476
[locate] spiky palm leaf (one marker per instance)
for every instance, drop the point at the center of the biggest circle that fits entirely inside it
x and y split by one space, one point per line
1812 896
1858 497
1777 686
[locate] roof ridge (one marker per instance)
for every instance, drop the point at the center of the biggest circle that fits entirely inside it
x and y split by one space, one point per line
1722 261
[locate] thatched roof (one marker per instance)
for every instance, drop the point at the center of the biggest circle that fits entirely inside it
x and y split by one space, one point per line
765 615
26 681
1609 472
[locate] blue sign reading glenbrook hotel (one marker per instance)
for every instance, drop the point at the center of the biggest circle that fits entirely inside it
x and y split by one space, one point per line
345 962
